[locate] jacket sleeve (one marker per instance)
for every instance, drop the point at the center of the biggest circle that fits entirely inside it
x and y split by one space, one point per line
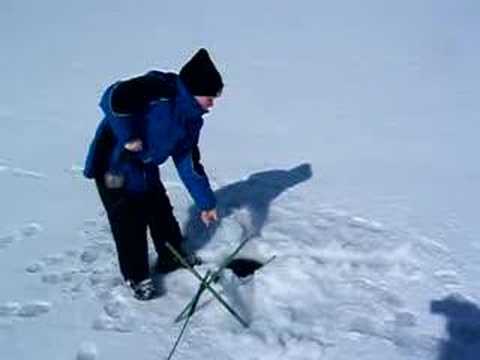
194 177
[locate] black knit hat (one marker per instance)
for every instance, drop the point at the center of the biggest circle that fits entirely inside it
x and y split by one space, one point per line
201 76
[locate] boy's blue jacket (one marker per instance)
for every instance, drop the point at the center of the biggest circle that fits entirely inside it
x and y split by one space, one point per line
167 127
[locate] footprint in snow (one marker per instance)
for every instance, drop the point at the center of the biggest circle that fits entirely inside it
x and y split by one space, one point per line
34 309
117 315
26 310
87 351
27 231
7 240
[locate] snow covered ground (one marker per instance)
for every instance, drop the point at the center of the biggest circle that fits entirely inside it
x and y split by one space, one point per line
345 144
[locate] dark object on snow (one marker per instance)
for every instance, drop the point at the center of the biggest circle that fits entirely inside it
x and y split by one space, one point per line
200 75
244 267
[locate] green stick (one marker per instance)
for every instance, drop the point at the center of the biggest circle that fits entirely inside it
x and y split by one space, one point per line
214 276
188 319
207 285
200 290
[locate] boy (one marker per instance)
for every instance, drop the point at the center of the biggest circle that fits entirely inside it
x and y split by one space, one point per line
147 120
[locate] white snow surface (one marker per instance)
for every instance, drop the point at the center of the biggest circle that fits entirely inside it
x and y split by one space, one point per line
344 144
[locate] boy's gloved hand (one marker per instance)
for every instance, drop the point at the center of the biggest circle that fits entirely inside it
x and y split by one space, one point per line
209 216
135 145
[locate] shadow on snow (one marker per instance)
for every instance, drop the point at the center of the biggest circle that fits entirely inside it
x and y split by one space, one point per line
463 328
255 194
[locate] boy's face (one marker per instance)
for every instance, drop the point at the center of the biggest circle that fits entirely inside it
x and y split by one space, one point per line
206 102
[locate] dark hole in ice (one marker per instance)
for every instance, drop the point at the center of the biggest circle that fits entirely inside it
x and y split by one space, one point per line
244 267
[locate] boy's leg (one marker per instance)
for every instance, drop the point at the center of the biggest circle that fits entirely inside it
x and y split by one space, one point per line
126 215
161 221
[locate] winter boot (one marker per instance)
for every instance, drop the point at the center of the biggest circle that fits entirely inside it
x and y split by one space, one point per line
143 290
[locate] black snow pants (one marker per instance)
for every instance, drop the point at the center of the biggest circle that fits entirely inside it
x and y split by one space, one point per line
130 215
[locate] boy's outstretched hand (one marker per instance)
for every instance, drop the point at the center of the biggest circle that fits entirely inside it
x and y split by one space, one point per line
209 216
